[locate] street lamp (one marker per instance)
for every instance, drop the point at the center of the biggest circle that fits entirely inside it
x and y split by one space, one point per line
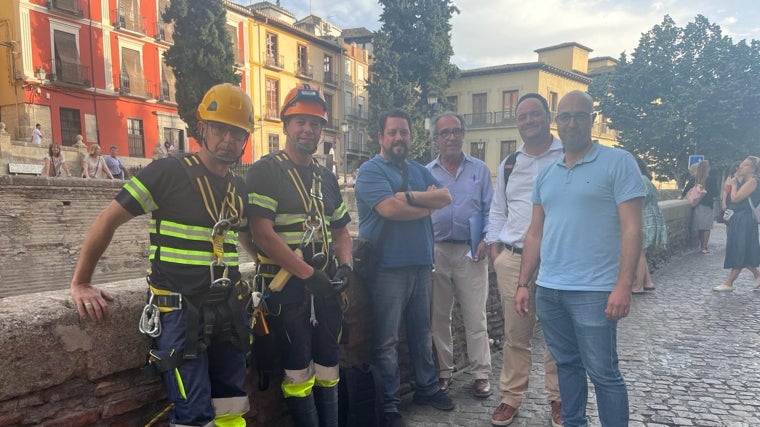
40 74
344 128
432 103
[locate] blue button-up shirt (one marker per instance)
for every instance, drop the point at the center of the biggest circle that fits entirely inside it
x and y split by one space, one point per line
471 193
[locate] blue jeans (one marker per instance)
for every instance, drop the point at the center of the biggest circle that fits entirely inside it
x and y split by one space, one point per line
403 294
583 341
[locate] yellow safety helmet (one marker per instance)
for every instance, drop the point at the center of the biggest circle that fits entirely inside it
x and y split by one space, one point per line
304 99
229 104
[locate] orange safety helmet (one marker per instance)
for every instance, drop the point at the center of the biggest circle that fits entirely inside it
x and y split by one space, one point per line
303 99
229 104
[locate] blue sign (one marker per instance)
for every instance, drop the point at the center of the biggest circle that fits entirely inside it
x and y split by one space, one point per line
694 159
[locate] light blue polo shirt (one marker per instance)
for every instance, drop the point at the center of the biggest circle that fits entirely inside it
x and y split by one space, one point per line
406 243
580 248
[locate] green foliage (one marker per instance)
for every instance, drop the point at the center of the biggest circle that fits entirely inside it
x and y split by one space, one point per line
684 91
202 52
412 58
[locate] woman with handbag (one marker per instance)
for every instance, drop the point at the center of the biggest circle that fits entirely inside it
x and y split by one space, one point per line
742 243
93 164
654 231
702 215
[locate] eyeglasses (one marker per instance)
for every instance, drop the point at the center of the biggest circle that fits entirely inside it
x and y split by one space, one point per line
580 117
222 129
457 132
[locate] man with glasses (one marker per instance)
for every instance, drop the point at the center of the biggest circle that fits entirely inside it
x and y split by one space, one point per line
460 272
395 198
196 313
508 223
296 208
586 232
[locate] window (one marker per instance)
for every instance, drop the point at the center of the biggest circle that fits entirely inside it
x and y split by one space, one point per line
507 148
479 109
70 6
129 16
327 67
71 125
164 31
67 66
452 101
303 60
329 108
509 104
274 142
360 74
272 51
360 141
131 79
478 150
168 80
237 53
273 99
348 98
176 137
360 107
135 138
553 99
347 69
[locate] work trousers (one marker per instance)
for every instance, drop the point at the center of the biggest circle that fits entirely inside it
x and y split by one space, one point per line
518 333
457 276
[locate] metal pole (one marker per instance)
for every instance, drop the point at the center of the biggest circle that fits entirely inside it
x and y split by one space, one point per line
345 156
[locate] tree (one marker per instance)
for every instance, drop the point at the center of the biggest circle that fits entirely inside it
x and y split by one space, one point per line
412 58
202 52
684 91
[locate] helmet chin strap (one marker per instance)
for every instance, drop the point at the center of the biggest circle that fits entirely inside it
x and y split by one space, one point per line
223 159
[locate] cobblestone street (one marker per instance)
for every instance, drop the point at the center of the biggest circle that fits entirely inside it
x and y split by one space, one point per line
690 356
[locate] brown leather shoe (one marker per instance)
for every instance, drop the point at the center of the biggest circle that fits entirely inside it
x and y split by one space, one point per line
503 415
444 383
482 388
556 411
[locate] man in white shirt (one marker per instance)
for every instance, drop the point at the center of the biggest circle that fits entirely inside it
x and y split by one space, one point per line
37 135
509 219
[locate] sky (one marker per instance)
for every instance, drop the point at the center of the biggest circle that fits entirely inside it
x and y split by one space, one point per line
496 32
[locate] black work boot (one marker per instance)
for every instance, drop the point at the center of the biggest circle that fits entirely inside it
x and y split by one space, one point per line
303 411
326 401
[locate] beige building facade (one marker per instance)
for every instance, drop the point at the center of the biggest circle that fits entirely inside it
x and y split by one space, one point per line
487 97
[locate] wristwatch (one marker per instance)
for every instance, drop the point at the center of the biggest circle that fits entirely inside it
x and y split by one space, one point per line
409 198
525 285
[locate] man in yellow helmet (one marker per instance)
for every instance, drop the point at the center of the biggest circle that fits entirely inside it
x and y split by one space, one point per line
296 205
196 312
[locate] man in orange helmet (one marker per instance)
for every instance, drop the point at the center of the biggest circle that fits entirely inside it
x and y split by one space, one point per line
196 312
296 207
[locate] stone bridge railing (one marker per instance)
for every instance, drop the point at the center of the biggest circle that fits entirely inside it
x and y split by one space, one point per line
61 371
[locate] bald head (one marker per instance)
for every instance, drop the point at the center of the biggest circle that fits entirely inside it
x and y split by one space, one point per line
574 120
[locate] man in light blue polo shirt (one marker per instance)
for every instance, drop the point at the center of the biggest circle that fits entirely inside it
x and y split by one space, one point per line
459 271
586 232
395 198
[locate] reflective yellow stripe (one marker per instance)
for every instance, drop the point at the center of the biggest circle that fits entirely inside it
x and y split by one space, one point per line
263 201
190 232
326 383
180 385
289 219
229 420
339 212
140 193
187 257
298 390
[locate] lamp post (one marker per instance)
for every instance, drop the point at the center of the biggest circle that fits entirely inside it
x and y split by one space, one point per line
344 128
432 103
40 74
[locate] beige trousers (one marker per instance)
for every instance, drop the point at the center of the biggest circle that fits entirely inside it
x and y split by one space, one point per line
457 276
518 332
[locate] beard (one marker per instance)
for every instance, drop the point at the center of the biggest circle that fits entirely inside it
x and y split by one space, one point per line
397 153
307 147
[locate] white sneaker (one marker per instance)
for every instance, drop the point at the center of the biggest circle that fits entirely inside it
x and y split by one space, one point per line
723 288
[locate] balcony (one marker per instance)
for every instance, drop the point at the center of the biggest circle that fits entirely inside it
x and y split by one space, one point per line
503 118
68 72
304 70
275 62
272 114
67 7
133 86
358 113
330 78
164 93
129 22
238 56
164 32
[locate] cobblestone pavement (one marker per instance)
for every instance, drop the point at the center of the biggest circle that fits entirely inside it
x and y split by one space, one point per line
690 356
